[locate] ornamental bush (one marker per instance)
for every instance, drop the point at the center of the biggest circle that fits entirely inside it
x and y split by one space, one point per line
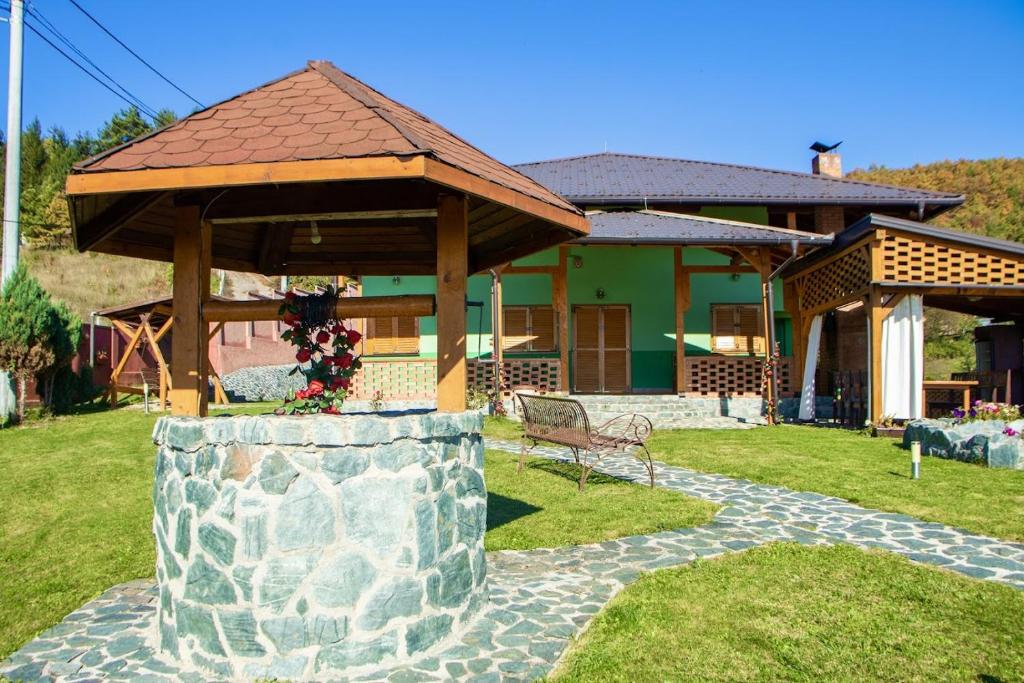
38 338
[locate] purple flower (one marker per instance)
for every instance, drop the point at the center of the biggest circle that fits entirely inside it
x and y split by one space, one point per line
1010 431
958 413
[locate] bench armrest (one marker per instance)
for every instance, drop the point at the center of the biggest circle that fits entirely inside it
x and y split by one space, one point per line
632 427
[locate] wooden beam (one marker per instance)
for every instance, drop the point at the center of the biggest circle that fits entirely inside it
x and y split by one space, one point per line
203 278
187 343
720 269
443 174
330 216
452 271
530 270
230 175
407 305
791 220
560 303
790 301
682 304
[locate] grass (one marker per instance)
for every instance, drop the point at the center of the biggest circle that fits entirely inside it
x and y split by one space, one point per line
541 508
76 512
872 472
785 612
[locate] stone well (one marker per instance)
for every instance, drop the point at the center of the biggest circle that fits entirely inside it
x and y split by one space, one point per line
304 547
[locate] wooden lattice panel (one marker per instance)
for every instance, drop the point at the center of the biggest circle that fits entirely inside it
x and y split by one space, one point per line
836 281
542 374
910 258
397 380
731 376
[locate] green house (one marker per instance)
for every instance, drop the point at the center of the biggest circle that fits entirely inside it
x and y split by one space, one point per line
667 295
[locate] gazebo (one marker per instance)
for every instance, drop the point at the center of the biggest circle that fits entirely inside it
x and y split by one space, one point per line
273 523
890 268
313 173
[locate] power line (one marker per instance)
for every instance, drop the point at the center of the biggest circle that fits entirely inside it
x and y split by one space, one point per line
85 70
134 53
47 24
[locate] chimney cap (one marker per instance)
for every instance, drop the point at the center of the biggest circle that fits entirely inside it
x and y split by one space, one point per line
822 148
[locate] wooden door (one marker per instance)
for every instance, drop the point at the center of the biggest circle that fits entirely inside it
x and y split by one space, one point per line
601 349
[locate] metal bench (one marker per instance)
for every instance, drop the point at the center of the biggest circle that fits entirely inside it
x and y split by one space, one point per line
564 421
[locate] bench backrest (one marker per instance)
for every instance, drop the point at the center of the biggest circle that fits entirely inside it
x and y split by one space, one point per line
555 418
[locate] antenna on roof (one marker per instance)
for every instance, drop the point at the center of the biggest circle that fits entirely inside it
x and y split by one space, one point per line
822 148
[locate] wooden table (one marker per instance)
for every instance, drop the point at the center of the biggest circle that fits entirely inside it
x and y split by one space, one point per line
949 385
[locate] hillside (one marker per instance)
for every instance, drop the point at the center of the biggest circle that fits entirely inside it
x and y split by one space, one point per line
994 189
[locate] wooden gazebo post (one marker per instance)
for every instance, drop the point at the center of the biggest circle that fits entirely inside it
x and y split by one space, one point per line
452 267
191 290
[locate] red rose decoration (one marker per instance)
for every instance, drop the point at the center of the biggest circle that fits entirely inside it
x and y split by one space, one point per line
323 336
336 383
316 387
289 297
345 382
302 356
292 320
353 337
344 361
337 328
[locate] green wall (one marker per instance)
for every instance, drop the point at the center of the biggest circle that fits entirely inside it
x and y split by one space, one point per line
641 277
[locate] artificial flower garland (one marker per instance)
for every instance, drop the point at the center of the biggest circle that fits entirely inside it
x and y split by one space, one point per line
322 341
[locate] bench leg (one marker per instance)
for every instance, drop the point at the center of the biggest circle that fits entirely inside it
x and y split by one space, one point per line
523 450
648 463
583 477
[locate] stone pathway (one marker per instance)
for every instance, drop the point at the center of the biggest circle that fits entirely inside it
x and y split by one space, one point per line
540 599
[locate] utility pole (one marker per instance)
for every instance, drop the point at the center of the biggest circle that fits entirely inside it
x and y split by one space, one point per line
12 181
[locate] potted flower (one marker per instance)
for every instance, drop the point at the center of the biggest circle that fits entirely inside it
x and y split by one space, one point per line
326 345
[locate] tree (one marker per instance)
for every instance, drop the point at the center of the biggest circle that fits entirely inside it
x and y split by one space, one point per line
37 338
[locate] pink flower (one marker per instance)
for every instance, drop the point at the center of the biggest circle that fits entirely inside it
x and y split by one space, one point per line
316 387
1010 431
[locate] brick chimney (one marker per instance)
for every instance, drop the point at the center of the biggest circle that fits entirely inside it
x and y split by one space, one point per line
827 163
828 219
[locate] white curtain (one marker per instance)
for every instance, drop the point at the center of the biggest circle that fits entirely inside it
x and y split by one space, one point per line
810 367
903 359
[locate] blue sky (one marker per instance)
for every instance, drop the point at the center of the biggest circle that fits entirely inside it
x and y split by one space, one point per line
741 82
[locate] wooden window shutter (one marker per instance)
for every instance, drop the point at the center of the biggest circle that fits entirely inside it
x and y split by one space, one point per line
737 329
517 329
407 336
542 328
391 336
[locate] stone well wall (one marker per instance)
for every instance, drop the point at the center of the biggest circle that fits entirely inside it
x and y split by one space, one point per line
980 442
302 547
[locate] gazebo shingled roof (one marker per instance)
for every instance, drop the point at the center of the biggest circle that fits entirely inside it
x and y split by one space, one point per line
316 145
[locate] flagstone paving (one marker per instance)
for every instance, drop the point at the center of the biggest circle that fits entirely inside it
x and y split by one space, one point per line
540 599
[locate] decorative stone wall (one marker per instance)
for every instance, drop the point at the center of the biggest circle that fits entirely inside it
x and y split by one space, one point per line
308 547
979 442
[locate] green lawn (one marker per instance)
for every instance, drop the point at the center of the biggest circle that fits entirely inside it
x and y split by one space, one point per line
540 507
785 612
867 471
872 472
76 512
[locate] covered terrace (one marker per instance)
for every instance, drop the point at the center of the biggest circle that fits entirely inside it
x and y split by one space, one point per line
881 272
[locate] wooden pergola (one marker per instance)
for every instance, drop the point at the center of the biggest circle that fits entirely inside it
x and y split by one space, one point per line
313 173
880 259
142 325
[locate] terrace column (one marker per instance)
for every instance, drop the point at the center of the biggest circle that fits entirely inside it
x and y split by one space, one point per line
764 268
560 301
682 298
452 270
876 317
191 290
791 303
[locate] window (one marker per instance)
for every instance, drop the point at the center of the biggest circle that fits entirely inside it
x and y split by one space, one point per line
737 329
528 328
391 336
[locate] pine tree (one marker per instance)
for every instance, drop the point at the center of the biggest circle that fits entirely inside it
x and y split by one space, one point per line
37 338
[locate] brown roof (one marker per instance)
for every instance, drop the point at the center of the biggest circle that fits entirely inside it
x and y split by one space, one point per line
319 112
